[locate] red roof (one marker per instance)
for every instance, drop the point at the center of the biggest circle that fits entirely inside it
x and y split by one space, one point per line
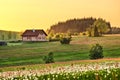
33 32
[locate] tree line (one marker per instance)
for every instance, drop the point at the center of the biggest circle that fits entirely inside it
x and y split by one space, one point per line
9 35
115 30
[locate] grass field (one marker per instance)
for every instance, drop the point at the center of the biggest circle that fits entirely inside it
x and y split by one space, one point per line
32 53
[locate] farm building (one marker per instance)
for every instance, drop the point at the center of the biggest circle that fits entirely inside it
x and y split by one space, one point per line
34 35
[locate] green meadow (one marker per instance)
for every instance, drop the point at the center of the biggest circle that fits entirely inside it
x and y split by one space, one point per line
32 53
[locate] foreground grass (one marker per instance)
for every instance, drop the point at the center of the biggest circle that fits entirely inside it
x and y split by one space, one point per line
107 74
32 53
102 69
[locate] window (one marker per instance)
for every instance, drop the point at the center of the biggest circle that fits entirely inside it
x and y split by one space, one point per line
28 38
39 37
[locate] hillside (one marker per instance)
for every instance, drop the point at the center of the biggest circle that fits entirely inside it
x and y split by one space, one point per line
33 53
73 25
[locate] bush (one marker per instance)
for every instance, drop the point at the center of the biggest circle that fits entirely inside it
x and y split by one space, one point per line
2 43
57 36
65 40
23 68
55 39
96 52
16 41
49 58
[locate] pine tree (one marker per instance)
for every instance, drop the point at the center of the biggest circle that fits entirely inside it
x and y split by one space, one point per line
96 33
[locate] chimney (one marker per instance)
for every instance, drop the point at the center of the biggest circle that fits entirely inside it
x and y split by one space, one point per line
33 30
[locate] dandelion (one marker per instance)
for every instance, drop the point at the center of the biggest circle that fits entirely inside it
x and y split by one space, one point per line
65 72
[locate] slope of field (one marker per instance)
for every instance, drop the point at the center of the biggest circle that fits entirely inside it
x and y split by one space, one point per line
32 53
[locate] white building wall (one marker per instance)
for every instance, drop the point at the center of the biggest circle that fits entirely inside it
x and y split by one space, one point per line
33 38
25 39
39 38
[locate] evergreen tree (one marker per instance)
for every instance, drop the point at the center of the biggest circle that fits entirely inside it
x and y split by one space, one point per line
96 33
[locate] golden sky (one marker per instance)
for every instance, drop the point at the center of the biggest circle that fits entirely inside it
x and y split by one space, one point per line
18 15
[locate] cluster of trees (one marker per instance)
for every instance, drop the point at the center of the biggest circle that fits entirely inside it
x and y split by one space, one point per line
98 28
76 25
9 35
115 30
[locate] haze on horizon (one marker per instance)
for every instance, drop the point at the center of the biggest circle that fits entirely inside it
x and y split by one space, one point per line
18 15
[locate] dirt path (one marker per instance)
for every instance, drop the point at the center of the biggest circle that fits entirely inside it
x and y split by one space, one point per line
97 60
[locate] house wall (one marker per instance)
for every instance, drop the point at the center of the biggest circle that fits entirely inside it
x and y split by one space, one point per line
26 39
41 37
38 38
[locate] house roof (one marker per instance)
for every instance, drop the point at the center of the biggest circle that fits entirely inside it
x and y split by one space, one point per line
33 32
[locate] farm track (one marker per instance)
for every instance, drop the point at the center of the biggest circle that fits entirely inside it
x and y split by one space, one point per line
98 60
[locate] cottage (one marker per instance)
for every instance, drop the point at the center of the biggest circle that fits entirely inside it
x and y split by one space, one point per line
34 35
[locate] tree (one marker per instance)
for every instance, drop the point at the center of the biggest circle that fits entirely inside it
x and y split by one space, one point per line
49 58
89 30
99 27
9 35
65 40
102 26
57 36
96 52
15 35
3 37
96 33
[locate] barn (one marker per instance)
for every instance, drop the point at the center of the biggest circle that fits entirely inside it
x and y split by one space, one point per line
34 35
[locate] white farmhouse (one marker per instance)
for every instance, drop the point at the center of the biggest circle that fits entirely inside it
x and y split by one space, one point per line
34 35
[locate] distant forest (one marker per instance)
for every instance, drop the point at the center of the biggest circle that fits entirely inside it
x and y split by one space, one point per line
74 26
9 35
115 30
69 26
